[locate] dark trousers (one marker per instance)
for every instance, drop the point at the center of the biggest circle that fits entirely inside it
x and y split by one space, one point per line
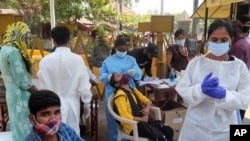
155 130
242 114
140 88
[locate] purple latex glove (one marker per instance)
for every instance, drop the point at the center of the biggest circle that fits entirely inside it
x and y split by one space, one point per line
210 82
210 86
215 92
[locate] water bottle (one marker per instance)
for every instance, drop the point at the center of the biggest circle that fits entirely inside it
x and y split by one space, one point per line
172 75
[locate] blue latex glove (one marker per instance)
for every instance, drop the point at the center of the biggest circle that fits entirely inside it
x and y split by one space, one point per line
210 86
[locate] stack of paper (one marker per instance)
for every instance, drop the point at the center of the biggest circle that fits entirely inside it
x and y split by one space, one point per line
155 81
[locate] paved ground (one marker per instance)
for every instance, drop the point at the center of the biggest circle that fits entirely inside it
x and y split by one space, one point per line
103 136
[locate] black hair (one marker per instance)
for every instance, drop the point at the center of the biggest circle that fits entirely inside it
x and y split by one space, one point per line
219 23
244 18
112 80
120 41
41 99
60 34
178 32
237 29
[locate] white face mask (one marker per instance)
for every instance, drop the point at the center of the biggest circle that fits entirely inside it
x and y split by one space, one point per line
121 54
218 49
180 42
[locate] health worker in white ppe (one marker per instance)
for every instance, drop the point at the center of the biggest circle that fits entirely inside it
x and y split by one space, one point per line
118 62
65 73
214 87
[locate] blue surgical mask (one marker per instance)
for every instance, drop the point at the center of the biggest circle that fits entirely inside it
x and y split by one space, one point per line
180 42
218 49
121 54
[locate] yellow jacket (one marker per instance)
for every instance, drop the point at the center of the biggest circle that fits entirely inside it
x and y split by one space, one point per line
124 107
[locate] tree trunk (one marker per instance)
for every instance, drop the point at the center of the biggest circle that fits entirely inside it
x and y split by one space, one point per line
121 14
195 25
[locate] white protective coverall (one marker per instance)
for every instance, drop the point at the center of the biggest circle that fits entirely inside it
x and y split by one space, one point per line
208 118
65 73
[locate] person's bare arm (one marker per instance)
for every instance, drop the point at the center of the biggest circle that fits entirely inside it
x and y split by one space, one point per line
32 89
168 60
143 118
146 109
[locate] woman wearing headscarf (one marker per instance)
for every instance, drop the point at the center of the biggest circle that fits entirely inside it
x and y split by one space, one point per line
15 65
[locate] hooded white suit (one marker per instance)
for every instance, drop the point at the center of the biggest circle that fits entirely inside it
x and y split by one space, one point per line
65 73
208 118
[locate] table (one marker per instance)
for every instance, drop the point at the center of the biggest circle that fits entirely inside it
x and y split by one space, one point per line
3 112
170 93
94 116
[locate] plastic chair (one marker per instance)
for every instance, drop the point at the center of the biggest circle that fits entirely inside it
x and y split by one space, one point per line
121 133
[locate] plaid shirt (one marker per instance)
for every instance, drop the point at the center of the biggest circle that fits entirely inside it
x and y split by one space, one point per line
241 50
65 133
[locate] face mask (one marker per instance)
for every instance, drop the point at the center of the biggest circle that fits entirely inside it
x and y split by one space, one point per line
245 29
50 128
121 54
180 42
124 80
218 49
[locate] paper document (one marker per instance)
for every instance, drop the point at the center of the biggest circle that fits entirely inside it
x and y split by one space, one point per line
162 86
155 81
169 83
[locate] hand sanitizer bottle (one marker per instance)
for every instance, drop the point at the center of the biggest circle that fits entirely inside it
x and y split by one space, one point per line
172 75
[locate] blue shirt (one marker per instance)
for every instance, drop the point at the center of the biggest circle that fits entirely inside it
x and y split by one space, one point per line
65 133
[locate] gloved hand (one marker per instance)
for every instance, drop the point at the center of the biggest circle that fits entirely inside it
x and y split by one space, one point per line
207 82
109 76
146 78
86 110
211 87
216 92
131 72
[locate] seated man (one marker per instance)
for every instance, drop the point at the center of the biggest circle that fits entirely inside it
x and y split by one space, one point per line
45 116
131 104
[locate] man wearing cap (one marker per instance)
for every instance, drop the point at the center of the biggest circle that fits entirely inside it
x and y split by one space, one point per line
122 63
144 57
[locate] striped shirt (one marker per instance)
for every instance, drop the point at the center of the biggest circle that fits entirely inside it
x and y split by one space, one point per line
241 50
65 133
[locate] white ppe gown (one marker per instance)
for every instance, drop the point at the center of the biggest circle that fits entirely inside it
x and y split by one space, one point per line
66 74
208 118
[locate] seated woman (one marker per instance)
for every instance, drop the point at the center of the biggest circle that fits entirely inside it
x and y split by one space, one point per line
131 104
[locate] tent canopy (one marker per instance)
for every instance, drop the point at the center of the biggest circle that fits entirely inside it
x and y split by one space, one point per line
215 12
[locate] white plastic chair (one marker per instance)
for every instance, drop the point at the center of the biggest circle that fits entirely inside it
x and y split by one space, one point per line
121 133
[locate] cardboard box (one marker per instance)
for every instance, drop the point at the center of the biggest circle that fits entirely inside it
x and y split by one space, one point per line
174 118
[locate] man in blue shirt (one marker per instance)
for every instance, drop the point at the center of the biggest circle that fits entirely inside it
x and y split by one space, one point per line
45 116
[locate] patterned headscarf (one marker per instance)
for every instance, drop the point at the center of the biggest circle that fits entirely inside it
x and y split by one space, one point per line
16 36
